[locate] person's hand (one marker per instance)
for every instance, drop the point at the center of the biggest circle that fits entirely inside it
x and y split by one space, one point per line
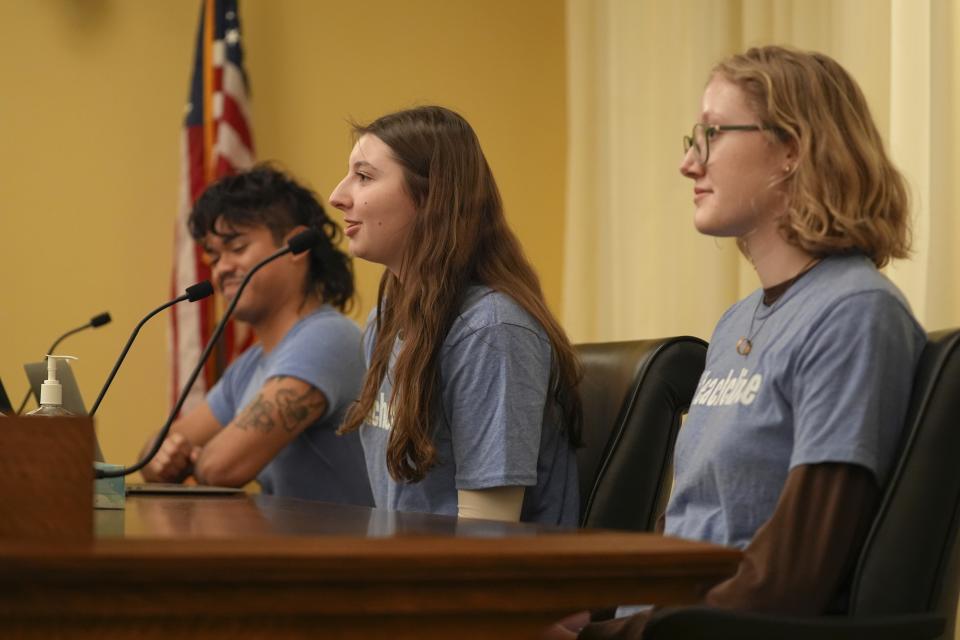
194 458
173 461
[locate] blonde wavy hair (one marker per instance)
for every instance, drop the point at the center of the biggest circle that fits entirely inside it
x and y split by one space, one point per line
843 193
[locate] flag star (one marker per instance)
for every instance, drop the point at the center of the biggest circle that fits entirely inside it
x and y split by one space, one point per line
233 36
231 15
188 108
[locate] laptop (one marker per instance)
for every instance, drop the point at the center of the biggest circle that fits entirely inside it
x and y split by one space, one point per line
73 402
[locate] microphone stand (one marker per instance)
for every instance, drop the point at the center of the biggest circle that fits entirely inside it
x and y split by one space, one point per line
194 292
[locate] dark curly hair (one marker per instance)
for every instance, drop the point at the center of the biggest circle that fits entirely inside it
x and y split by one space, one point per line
267 196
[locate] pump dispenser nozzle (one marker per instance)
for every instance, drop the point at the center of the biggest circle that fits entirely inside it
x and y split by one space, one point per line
51 393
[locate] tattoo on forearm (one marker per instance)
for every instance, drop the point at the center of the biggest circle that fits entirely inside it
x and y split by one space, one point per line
258 416
293 410
299 409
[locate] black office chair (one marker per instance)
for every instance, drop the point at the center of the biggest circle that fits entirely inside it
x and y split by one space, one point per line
634 395
907 581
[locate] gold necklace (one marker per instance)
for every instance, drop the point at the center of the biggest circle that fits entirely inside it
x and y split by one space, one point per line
745 343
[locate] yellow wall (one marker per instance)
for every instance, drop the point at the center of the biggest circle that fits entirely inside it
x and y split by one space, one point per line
91 99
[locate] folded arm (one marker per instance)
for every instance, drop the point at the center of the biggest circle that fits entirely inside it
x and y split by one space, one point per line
174 460
280 411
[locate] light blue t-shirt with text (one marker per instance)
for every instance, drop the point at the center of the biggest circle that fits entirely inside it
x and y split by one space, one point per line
828 379
495 426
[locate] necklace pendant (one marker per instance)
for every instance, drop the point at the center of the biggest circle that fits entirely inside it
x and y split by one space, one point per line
744 346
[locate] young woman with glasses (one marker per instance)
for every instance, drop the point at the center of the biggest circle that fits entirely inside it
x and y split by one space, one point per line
796 423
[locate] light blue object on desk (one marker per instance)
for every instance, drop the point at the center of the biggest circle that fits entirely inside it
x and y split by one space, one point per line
109 493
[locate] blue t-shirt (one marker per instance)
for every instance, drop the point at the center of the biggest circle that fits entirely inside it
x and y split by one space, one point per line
828 380
324 350
495 425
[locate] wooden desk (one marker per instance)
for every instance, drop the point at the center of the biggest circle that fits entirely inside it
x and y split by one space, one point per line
255 567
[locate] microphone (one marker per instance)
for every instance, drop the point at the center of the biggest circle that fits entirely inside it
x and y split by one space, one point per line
96 321
193 293
300 243
100 320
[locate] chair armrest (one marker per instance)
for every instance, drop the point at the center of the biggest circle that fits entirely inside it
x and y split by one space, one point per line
718 624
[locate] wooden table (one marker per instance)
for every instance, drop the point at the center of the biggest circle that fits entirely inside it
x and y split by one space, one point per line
255 567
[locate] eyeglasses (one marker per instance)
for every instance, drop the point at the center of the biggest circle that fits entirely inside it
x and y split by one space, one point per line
702 134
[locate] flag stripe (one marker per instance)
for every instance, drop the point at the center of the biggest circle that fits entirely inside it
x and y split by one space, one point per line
216 141
208 71
233 117
234 85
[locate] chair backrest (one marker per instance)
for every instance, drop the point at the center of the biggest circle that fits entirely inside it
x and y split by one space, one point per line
909 560
634 396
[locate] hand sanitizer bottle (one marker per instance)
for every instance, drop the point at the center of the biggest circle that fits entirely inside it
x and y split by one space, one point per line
51 393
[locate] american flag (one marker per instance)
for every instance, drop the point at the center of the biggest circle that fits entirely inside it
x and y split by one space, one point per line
216 141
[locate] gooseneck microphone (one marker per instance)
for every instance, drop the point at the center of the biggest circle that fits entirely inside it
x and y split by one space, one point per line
303 241
96 321
193 293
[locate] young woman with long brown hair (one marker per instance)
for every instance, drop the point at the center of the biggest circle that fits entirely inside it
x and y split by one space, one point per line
470 405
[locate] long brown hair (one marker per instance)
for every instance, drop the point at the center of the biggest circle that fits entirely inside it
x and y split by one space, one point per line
461 238
844 194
